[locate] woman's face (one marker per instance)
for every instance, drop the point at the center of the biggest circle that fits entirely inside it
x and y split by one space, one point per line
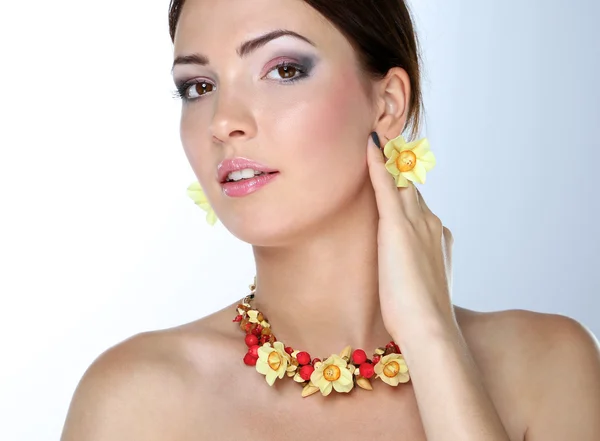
310 121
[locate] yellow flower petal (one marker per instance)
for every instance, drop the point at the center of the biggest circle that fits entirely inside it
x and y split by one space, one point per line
211 217
401 181
271 377
279 347
428 160
420 147
262 367
196 193
342 388
391 165
425 160
393 146
345 378
419 172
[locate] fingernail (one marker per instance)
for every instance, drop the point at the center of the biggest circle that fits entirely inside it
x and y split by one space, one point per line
376 139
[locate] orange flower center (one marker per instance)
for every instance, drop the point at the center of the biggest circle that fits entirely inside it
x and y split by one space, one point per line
274 360
332 372
391 369
406 161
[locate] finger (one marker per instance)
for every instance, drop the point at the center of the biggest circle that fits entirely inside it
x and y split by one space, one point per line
386 193
410 200
422 203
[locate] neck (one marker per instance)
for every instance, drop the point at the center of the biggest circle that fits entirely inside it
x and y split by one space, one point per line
321 294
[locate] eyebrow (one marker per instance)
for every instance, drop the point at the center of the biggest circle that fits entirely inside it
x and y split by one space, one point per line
244 50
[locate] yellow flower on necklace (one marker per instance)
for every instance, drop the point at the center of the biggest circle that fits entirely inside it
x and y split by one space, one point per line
196 193
272 361
332 373
408 161
392 369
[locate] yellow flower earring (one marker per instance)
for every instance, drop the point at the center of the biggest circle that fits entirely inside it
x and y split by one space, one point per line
408 161
196 193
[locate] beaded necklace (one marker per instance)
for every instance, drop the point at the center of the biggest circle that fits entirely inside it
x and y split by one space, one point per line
340 372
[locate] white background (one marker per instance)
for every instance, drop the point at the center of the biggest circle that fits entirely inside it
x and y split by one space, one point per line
98 240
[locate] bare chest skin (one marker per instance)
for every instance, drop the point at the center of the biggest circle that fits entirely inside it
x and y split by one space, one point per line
247 408
233 402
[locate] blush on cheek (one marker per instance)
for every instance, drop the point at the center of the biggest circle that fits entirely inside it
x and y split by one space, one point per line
340 114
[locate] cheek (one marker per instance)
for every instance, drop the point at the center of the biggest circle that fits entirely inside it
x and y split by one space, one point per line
336 117
318 143
191 128
322 125
194 126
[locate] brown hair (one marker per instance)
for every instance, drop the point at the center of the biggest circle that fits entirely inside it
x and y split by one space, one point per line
381 32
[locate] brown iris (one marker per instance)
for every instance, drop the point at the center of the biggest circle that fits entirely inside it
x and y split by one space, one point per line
287 71
203 87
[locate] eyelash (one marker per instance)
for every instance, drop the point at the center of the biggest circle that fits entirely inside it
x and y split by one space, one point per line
181 89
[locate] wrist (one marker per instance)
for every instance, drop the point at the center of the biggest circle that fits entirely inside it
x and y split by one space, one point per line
424 327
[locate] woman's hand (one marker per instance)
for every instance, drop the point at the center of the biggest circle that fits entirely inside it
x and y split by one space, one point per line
414 252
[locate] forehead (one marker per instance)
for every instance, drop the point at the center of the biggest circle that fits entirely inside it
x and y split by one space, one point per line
221 25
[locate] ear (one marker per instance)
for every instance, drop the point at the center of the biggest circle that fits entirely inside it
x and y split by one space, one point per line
392 96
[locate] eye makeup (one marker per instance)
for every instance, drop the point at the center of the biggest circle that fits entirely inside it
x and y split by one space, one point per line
301 63
306 62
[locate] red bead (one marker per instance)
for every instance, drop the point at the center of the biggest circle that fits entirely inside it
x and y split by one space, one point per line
288 350
303 358
398 351
390 345
238 318
359 356
376 359
253 350
248 327
315 360
264 339
258 330
249 360
306 372
366 370
251 340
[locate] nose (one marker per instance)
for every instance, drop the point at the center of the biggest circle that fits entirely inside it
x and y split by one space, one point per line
232 120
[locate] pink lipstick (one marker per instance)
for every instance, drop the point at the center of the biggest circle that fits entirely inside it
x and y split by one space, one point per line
241 176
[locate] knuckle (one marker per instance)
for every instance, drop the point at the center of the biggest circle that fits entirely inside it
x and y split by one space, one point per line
434 222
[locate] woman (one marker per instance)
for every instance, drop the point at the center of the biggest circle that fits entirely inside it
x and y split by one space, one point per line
347 254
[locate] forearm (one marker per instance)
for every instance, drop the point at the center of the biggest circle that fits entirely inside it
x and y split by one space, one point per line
452 399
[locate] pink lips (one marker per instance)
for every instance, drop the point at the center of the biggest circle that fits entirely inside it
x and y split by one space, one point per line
245 186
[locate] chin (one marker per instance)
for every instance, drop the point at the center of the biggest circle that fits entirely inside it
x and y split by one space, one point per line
267 230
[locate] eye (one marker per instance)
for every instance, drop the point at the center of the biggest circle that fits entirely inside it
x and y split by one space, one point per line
287 71
192 90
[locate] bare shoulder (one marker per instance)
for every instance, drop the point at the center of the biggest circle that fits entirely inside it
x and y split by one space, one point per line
548 360
532 332
149 386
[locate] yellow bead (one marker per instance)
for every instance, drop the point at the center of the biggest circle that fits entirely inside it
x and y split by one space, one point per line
391 369
332 373
274 360
406 161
